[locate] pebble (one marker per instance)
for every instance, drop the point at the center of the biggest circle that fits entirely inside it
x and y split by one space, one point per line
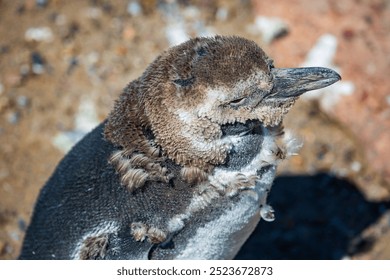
86 119
41 3
322 55
4 49
14 235
176 34
22 101
22 224
134 8
356 166
13 117
222 14
93 12
73 62
191 13
271 28
24 70
1 88
60 19
39 34
38 63
323 52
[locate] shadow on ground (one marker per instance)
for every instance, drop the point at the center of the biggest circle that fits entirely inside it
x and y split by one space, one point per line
317 217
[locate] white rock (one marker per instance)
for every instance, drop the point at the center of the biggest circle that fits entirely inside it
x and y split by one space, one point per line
191 13
39 34
270 27
222 14
93 12
134 8
356 166
323 52
86 119
322 55
176 34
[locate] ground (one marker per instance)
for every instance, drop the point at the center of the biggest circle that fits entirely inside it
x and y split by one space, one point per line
60 79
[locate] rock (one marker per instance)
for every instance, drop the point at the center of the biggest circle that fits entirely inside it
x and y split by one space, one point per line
134 8
93 12
270 28
322 54
222 14
37 63
86 119
22 101
13 117
41 3
39 34
176 34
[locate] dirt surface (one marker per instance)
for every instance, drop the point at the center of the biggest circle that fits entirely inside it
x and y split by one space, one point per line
331 201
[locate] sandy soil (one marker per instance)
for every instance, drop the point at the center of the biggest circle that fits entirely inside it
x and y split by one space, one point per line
57 86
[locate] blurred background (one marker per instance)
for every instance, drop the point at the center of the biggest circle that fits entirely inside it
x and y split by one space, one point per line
63 63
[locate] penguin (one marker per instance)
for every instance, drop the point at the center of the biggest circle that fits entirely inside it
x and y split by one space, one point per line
182 166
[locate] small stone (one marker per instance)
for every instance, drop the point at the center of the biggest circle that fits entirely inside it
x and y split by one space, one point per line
356 166
39 34
73 63
41 3
22 224
191 13
4 49
60 19
92 58
22 101
323 52
1 88
134 8
24 70
13 117
222 14
14 235
38 63
93 13
176 34
271 28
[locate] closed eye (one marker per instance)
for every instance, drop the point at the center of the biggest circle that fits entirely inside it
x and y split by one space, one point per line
238 101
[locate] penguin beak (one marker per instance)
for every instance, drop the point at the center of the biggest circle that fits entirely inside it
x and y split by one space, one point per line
292 82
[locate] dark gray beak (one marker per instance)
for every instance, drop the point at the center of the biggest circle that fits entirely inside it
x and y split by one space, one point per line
291 82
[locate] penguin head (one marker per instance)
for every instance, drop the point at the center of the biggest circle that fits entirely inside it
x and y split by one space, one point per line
203 96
